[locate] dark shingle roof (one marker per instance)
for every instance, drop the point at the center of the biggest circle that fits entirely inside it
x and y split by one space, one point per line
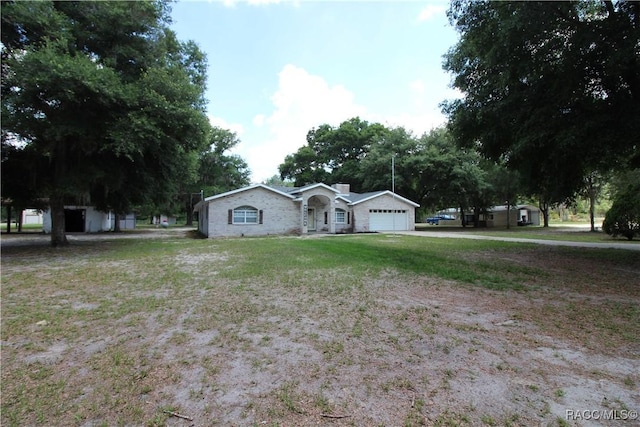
356 197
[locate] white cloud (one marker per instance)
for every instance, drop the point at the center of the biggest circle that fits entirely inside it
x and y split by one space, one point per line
301 102
418 123
259 120
223 124
430 11
417 86
418 92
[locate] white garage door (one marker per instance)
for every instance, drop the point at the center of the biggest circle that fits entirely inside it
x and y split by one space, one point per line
388 220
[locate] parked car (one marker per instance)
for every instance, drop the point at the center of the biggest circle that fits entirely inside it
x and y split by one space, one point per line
435 220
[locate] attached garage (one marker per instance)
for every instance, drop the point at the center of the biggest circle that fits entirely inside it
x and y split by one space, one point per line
388 220
382 211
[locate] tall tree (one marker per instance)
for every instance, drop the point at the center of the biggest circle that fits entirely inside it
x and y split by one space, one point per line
552 88
332 155
623 218
219 171
375 170
430 169
103 96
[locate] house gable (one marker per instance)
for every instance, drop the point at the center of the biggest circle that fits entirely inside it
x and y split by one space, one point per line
362 198
275 212
241 190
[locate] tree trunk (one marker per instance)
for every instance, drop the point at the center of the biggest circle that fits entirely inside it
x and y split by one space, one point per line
592 205
462 219
116 223
508 214
58 236
8 218
20 211
189 206
544 208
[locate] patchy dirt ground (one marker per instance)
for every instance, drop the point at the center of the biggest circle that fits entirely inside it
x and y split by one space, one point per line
179 347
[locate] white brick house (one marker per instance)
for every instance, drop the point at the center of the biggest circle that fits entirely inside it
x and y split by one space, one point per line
260 210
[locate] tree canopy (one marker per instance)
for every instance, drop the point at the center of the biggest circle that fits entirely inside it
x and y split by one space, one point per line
219 171
431 169
551 89
332 155
101 99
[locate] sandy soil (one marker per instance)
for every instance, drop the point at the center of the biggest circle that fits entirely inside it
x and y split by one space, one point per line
391 350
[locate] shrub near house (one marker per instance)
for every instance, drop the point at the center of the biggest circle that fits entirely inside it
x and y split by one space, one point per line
623 219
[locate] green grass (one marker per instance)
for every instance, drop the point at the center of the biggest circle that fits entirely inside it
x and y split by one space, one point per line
32 228
558 232
357 255
114 310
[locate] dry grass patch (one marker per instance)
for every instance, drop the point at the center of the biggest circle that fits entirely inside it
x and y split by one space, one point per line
360 330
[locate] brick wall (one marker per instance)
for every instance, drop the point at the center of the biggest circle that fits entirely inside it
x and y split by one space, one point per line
280 214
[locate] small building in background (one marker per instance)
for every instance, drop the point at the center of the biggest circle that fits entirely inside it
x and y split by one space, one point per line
495 216
518 215
87 219
32 217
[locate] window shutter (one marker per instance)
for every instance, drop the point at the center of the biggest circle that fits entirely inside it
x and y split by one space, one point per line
260 217
326 217
230 218
348 217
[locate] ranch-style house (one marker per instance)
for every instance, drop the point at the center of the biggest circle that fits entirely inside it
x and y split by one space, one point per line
261 210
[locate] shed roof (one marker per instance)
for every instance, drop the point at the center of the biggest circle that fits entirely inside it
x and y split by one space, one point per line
500 208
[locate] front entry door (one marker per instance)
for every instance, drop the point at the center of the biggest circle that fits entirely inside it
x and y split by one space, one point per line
311 217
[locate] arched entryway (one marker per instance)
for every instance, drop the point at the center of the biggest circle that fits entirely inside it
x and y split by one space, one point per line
319 214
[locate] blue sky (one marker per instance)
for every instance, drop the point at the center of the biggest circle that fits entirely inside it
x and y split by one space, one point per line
279 68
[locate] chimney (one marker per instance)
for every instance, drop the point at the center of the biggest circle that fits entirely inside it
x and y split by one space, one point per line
342 188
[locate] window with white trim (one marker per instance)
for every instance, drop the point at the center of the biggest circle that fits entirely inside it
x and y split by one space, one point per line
245 215
341 216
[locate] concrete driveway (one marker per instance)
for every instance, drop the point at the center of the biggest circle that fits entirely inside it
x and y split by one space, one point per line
635 246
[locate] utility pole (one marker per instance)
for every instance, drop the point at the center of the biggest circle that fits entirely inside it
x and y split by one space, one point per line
393 191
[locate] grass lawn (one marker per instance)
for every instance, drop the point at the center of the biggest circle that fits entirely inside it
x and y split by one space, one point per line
29 228
559 231
339 330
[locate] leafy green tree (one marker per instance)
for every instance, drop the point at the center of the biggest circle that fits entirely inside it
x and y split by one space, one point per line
375 170
219 171
623 218
452 176
303 167
277 181
104 97
505 185
594 184
19 181
332 155
552 88
430 169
